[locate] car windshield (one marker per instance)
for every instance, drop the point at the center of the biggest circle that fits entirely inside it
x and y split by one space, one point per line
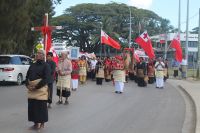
4 60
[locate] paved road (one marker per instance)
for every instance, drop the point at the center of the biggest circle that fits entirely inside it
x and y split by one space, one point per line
97 109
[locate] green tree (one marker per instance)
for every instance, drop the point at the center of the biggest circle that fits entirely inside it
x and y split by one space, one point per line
82 24
17 18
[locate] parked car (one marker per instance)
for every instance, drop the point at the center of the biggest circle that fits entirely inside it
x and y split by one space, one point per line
13 68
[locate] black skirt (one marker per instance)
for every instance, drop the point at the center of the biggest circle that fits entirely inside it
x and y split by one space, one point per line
65 93
141 82
151 80
37 111
131 76
99 81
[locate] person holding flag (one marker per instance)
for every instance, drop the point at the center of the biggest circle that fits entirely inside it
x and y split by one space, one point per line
176 44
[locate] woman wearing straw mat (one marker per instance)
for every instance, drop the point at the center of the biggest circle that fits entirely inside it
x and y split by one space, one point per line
37 80
64 78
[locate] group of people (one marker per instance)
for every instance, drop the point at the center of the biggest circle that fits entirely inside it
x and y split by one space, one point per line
180 66
41 74
39 82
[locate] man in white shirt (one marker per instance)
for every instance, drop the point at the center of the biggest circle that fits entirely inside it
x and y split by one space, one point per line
92 66
159 66
183 67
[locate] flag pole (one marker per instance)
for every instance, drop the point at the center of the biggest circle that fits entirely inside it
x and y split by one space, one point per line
46 37
101 43
179 23
129 45
198 68
187 33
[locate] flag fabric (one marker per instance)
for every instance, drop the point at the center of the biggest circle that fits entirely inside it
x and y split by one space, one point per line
105 39
145 43
175 43
55 56
137 58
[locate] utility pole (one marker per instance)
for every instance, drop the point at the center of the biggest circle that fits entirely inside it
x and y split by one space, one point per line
100 52
187 33
130 28
179 18
198 68
166 45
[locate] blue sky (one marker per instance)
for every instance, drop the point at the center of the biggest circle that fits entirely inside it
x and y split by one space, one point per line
165 8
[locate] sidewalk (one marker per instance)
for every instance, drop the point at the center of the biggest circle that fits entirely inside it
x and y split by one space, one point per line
192 87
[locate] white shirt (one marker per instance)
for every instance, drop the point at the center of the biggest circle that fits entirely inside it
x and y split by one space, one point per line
184 62
159 66
93 64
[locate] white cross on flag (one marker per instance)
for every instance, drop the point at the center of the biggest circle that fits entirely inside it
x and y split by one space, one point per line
145 43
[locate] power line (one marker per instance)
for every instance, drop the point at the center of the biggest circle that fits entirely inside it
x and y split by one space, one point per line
192 17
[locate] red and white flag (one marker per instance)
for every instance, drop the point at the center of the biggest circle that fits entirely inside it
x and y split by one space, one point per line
175 43
145 43
55 56
105 39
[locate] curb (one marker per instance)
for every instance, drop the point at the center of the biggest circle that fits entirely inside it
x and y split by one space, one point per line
190 122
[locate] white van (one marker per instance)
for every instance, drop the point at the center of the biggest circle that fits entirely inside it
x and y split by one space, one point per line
13 68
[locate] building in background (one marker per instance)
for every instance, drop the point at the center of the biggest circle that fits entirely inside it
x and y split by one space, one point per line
159 42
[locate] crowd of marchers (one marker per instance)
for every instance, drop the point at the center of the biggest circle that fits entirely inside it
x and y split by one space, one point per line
68 74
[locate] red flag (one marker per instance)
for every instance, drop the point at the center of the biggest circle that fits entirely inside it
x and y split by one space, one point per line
175 43
145 42
55 56
137 57
105 39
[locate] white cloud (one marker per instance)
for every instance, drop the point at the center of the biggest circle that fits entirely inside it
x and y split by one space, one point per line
145 4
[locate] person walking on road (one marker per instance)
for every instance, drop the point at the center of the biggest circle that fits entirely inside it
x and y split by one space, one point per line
83 66
183 68
52 65
64 78
75 75
118 74
37 80
175 65
151 71
99 72
159 66
141 73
